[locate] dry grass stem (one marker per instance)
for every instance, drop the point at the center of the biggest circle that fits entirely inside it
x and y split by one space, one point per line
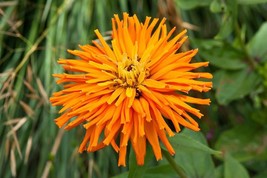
28 110
17 126
42 90
28 150
53 153
8 3
13 163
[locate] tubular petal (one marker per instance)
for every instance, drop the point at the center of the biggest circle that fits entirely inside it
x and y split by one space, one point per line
122 156
110 136
152 137
154 84
115 94
85 140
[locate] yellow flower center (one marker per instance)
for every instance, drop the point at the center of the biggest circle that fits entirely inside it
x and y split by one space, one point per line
131 72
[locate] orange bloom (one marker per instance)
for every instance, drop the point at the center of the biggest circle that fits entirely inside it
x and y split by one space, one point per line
127 90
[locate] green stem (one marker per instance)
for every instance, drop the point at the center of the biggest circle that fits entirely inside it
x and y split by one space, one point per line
250 60
178 169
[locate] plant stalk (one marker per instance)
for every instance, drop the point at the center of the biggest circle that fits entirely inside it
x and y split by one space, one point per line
249 59
178 169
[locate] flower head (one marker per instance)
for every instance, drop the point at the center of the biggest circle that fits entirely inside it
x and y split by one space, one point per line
126 91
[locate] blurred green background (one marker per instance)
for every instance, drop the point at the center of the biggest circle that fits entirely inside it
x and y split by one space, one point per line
230 34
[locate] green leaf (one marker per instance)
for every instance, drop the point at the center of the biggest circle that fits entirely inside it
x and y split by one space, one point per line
257 166
257 45
261 174
139 171
185 4
233 169
232 85
245 2
193 154
164 170
188 139
196 163
161 171
145 171
228 19
244 142
226 28
122 175
219 171
220 54
217 6
259 115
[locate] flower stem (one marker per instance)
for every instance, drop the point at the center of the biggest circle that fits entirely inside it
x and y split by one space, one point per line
178 169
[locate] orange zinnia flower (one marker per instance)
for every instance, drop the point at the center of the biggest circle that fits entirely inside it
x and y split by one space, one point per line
128 89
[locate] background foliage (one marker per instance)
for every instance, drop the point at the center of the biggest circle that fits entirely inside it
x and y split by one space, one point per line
231 34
